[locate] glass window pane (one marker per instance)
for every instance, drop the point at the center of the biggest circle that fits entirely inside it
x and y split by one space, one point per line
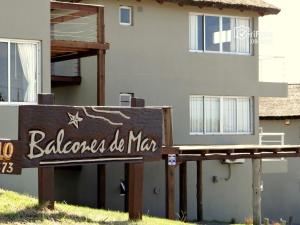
212 33
228 40
125 15
212 114
196 114
229 115
200 32
242 34
23 72
244 115
196 32
3 71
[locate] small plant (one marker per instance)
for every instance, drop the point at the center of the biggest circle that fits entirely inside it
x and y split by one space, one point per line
248 220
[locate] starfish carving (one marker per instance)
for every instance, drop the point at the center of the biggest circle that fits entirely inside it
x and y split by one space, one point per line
74 120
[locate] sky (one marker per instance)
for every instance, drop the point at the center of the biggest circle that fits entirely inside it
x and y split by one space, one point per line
279 50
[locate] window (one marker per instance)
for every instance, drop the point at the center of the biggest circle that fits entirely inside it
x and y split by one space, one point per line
212 33
196 33
224 34
126 15
220 115
19 70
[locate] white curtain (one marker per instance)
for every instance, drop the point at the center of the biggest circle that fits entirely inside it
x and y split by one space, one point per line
212 114
196 114
193 32
28 58
229 115
242 35
244 115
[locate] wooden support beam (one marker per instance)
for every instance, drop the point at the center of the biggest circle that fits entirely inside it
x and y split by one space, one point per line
46 174
101 178
69 56
183 191
135 188
126 178
63 45
169 170
135 102
170 191
71 16
57 80
199 191
75 6
256 188
101 98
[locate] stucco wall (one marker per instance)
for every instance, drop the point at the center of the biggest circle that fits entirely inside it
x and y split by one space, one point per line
24 20
281 195
152 60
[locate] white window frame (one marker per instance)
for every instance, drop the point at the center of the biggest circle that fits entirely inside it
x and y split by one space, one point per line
38 79
250 53
130 16
221 116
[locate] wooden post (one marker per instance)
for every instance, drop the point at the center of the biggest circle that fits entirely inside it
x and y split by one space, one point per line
101 58
199 191
101 178
135 194
183 191
46 174
169 170
256 180
101 169
135 102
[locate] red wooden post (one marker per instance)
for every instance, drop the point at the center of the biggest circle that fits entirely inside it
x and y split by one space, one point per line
135 195
46 175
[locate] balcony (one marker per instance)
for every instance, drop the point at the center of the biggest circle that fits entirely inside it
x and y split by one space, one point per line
77 31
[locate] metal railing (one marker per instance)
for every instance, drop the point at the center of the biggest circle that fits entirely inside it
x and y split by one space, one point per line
280 139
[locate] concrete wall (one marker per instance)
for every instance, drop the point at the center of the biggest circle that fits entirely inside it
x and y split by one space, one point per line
281 196
24 20
152 60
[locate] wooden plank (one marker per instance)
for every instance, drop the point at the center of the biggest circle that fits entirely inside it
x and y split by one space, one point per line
199 191
184 158
46 175
70 134
183 191
256 188
71 16
136 180
74 55
57 80
75 6
64 45
101 183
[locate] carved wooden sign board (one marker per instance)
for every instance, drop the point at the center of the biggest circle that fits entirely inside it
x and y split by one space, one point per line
66 135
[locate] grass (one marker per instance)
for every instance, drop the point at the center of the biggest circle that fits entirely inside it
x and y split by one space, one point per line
21 209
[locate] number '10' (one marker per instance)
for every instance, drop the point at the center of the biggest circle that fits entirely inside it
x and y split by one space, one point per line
6 151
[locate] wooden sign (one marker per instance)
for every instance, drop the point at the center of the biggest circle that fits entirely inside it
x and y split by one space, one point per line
60 135
10 158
